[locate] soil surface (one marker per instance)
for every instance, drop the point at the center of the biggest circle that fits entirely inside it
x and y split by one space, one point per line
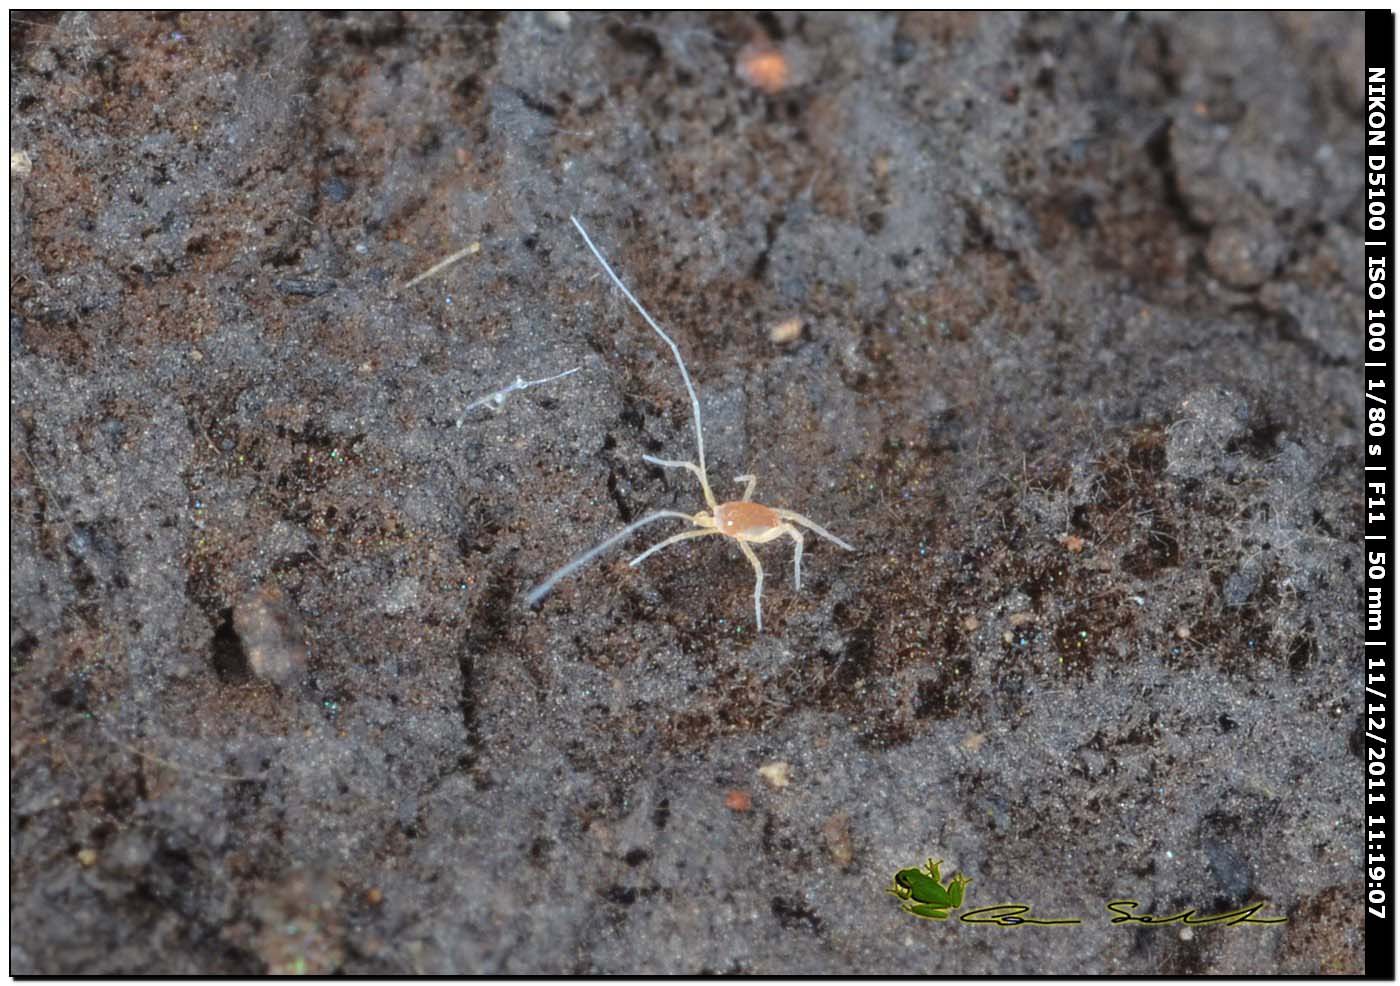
1077 373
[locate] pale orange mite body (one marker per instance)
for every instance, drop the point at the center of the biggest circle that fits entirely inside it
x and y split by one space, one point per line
742 520
746 521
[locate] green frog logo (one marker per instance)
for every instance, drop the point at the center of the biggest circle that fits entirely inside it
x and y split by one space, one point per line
925 895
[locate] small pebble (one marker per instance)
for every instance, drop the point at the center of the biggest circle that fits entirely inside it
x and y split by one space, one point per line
788 330
836 833
762 65
777 774
272 634
737 800
1244 255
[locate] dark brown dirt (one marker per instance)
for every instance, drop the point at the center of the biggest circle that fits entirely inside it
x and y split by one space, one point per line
1078 377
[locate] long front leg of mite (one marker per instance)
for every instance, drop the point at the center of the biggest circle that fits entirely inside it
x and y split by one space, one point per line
542 590
757 583
675 350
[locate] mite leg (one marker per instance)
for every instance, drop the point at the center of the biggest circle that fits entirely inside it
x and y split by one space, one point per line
757 583
540 591
796 555
699 474
798 518
699 532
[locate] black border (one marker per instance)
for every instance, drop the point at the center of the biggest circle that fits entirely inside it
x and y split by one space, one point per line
1378 397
